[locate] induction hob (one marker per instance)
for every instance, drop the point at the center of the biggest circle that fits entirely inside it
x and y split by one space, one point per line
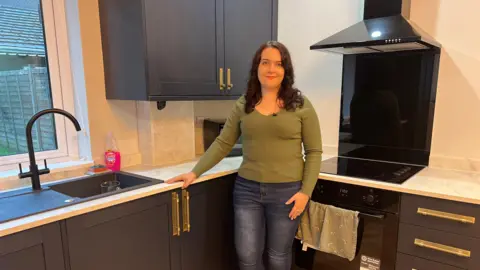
370 169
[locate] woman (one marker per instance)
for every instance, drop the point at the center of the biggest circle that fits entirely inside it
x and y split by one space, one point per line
274 182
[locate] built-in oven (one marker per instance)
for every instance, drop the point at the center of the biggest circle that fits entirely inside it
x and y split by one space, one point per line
377 229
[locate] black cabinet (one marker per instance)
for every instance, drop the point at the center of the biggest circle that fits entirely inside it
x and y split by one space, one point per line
133 235
35 249
443 234
178 230
206 238
248 24
182 49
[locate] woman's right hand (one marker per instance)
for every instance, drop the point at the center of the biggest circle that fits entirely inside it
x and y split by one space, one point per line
187 178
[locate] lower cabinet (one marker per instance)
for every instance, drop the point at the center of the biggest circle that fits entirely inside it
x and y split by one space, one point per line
188 229
406 262
438 234
133 235
206 237
35 249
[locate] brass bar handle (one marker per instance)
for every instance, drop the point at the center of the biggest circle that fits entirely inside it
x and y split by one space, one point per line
186 210
229 79
222 83
442 248
445 215
175 214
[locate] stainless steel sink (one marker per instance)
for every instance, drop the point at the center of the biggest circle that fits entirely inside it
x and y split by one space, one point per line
26 202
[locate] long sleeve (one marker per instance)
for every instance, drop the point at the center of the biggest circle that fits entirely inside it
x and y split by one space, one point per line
312 143
224 143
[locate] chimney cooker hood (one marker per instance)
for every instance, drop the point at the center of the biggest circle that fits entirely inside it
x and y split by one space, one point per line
384 29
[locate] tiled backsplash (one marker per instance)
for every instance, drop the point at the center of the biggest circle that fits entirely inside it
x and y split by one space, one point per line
166 136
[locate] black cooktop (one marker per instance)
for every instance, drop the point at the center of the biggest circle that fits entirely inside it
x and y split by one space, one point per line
370 169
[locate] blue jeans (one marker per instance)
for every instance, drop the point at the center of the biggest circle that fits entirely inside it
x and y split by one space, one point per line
261 215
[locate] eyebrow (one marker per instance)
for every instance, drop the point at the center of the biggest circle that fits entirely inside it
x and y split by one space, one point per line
270 60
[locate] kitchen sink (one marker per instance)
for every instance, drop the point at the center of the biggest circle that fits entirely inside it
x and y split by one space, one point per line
90 186
25 202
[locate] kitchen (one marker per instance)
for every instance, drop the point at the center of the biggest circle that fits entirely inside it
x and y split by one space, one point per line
451 179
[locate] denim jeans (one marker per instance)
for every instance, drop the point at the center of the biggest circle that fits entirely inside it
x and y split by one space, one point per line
261 215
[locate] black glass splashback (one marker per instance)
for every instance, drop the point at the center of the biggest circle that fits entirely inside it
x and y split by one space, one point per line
387 106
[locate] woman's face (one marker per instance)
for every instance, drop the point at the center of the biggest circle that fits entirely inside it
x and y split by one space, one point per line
270 69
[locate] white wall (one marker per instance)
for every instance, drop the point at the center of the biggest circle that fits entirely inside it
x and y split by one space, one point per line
318 74
456 130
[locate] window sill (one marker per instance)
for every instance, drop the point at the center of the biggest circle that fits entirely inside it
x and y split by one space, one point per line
9 179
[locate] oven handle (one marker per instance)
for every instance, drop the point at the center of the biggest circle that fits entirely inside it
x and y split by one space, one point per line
371 216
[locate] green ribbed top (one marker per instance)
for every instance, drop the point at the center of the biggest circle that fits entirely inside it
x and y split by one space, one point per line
272 145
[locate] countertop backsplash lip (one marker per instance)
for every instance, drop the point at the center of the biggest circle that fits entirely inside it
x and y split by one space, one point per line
455 185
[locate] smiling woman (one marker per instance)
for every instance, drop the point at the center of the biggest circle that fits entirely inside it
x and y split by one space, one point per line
282 152
272 66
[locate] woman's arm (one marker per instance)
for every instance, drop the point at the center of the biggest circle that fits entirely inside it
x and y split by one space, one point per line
312 143
224 143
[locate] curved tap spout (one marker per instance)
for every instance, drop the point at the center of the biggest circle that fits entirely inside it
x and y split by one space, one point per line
34 172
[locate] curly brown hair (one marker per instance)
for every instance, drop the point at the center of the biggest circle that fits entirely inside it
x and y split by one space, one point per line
291 96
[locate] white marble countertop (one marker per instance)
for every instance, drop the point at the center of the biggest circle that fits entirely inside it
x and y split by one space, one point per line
438 183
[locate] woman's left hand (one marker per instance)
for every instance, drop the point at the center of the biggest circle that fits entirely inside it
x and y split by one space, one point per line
301 200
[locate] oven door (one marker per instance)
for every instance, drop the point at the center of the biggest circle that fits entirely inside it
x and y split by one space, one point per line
376 245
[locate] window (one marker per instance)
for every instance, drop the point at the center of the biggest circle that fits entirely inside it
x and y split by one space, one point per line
35 74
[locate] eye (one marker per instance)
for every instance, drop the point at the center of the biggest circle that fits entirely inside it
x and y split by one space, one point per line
264 63
279 64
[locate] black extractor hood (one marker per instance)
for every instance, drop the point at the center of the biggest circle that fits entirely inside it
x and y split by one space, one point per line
385 28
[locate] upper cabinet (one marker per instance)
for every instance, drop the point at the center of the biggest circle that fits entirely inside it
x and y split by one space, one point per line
182 49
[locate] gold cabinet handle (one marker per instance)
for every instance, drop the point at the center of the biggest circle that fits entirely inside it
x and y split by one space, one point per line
229 79
442 248
220 75
186 210
445 215
175 214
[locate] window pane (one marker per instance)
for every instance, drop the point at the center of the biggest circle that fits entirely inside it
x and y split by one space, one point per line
24 78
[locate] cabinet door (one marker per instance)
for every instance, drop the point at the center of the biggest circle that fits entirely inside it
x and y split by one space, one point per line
185 47
35 249
209 243
133 235
248 24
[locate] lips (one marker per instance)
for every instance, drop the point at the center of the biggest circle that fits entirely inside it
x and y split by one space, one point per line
271 77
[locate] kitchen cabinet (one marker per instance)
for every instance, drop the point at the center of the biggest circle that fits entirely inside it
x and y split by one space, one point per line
132 235
248 24
206 237
35 249
179 230
182 49
440 233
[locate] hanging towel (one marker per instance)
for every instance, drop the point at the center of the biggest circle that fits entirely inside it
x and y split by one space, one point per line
329 229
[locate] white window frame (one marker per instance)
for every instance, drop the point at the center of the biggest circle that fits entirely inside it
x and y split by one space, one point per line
59 64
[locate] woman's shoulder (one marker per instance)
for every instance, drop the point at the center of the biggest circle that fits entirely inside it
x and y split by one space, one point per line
241 101
240 104
306 101
306 108
303 104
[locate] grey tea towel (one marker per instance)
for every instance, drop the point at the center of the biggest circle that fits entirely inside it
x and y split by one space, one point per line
329 229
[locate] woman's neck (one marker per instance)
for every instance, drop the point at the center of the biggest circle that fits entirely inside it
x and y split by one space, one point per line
269 94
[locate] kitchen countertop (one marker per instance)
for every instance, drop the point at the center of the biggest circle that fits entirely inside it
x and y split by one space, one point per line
438 183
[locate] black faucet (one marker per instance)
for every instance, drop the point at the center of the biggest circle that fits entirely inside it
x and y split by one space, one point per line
34 172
